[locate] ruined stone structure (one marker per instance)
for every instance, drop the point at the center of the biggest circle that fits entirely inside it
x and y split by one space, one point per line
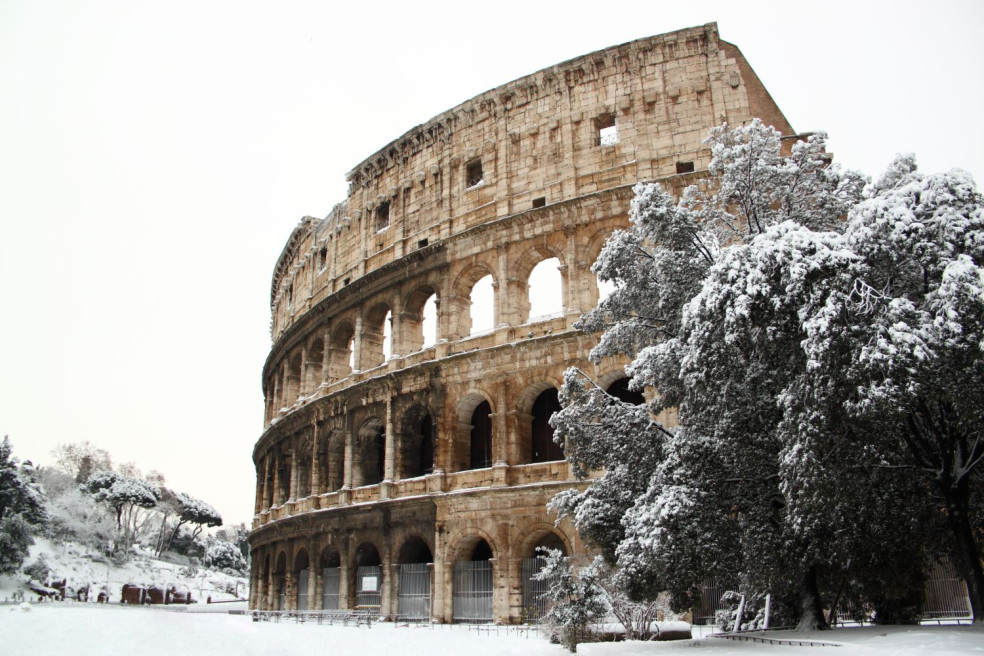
409 471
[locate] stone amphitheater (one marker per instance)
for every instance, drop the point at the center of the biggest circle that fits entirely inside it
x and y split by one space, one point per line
422 328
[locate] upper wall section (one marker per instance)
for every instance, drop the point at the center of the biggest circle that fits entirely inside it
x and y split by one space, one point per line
635 111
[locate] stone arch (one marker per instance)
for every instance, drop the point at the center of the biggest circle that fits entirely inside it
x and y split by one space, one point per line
461 323
368 574
314 366
592 289
331 453
302 461
418 434
413 319
524 266
475 444
370 449
525 402
302 578
542 535
376 335
280 582
283 475
414 550
340 350
463 545
295 365
330 563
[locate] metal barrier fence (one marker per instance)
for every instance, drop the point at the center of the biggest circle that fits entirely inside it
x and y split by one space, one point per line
534 600
368 586
946 593
471 593
413 601
303 577
331 578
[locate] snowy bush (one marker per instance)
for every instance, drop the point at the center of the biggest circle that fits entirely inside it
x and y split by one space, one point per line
577 600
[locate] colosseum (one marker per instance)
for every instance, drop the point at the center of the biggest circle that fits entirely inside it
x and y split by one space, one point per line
421 331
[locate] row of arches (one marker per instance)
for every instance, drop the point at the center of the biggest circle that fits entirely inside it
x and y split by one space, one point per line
318 462
464 583
366 338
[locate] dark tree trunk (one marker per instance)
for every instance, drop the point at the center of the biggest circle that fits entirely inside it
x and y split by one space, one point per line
811 608
966 554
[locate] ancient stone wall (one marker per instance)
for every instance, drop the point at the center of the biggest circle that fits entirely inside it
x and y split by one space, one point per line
386 448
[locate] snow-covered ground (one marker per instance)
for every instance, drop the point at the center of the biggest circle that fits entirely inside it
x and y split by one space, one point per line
93 630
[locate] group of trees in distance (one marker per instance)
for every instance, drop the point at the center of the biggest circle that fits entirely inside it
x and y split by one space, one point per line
821 337
84 498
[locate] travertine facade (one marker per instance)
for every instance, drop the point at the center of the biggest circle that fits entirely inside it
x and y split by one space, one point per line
417 482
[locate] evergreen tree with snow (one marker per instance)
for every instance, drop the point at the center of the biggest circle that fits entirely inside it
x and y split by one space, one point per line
22 509
749 306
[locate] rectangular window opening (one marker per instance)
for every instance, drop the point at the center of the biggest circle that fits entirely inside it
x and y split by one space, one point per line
539 202
383 215
607 127
473 173
422 243
684 167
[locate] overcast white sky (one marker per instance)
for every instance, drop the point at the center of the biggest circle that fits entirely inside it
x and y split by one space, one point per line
154 158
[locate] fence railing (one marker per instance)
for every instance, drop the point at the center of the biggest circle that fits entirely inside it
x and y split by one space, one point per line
471 595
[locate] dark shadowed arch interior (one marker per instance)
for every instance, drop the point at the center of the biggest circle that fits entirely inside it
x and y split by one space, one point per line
417 444
481 437
620 390
544 447
415 550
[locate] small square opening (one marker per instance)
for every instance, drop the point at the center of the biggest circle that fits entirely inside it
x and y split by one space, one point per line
473 173
383 215
323 257
685 167
422 243
539 202
607 130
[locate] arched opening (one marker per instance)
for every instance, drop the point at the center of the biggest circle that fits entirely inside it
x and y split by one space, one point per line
480 453
546 290
414 584
482 310
331 577
316 356
534 560
280 581
418 322
471 591
293 378
341 354
263 585
368 577
371 447
283 479
620 390
605 289
417 444
332 453
377 338
304 473
544 447
302 574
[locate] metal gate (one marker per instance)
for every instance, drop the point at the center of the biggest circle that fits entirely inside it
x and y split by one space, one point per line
414 597
946 593
302 589
471 593
710 602
331 578
368 587
281 593
534 591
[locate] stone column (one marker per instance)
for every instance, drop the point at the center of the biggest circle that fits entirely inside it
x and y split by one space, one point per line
293 469
317 485
503 314
389 462
398 345
275 499
387 597
357 344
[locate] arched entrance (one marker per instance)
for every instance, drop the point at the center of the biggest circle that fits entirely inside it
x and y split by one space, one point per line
471 591
413 600
544 447
534 591
368 578
302 574
331 578
480 454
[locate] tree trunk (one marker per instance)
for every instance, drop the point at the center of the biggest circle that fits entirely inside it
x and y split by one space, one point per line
811 608
966 554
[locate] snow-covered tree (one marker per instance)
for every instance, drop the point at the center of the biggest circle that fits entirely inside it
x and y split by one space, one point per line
22 509
126 497
193 511
220 554
749 305
577 600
